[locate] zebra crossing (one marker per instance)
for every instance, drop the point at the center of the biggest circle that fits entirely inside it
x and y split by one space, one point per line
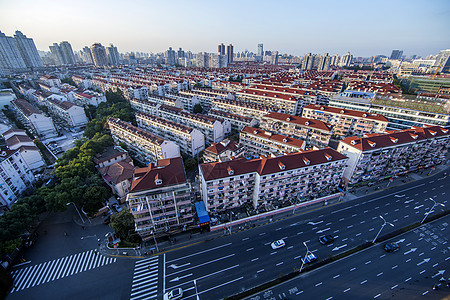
145 279
59 268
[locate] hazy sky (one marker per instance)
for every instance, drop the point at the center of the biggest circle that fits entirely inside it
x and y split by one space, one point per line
362 27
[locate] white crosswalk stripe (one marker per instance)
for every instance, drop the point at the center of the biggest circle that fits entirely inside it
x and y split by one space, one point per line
59 268
145 279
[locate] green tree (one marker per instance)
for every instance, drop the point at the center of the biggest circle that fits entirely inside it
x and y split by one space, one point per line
123 224
197 109
95 198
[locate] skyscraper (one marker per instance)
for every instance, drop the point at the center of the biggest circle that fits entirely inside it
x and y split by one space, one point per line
307 61
324 63
87 55
442 63
180 53
221 49
11 59
230 53
274 57
260 52
57 54
113 55
396 54
170 56
67 53
99 55
346 60
28 50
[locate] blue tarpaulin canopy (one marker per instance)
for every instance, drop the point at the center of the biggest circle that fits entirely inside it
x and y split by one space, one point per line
202 214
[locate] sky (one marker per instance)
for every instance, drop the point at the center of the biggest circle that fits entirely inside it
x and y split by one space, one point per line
364 28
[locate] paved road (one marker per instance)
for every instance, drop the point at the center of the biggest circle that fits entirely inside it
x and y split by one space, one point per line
241 261
410 273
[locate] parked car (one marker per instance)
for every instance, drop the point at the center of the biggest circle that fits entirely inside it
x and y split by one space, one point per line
174 294
391 247
278 244
309 258
326 239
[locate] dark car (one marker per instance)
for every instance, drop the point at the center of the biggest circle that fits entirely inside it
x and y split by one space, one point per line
391 247
326 239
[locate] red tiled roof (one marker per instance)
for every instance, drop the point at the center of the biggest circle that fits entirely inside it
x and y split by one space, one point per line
276 137
299 120
218 148
349 112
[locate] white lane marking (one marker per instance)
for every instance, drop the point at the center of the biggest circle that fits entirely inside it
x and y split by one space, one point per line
367 262
199 265
342 219
352 269
371 229
273 253
336 276
299 232
382 255
374 218
244 239
290 247
358 234
422 272
278 229
408 279
362 222
329 223
354 215
395 286
394 267
435 265
220 285
350 226
262 233
200 252
279 264
255 259
345 239
345 291
336 231
250 249
376 296
320 283
364 281
379 274
260 271
299 293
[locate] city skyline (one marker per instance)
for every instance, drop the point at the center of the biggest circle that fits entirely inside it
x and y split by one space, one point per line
155 27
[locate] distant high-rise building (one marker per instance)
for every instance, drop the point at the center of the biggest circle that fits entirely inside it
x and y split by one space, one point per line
334 61
67 53
11 57
170 56
57 54
307 62
28 50
221 49
87 55
346 60
324 63
442 63
230 53
180 53
113 55
274 58
260 52
99 55
396 54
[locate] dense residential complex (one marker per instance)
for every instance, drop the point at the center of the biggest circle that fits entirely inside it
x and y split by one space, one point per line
378 156
160 199
223 151
243 108
70 114
191 141
145 146
259 142
313 132
285 103
346 122
257 183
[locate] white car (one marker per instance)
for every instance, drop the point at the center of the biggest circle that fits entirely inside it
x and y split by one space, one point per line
278 244
174 294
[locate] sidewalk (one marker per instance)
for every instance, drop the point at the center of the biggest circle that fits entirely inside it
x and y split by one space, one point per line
187 239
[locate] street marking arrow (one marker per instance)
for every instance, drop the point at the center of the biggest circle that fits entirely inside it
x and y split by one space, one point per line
409 251
181 277
323 230
312 223
440 272
424 261
337 248
400 241
176 267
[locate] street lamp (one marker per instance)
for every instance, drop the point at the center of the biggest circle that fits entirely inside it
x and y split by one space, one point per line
304 259
431 209
76 209
196 291
382 226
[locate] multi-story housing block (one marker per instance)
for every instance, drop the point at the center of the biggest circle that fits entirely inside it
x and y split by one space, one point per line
378 156
15 177
160 199
145 146
223 151
205 97
313 132
346 122
237 122
88 98
260 142
169 101
243 108
33 117
285 103
17 139
290 178
72 115
190 140
188 101
213 129
144 106
81 81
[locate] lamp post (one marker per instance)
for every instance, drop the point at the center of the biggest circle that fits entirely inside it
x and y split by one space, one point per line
382 226
303 261
196 291
76 209
431 209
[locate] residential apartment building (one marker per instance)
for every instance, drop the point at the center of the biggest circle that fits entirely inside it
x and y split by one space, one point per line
243 108
15 177
291 178
346 122
376 157
41 125
17 139
160 199
213 129
191 141
88 97
260 142
204 96
72 115
237 122
144 106
313 132
145 146
223 151
188 101
285 103
169 101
